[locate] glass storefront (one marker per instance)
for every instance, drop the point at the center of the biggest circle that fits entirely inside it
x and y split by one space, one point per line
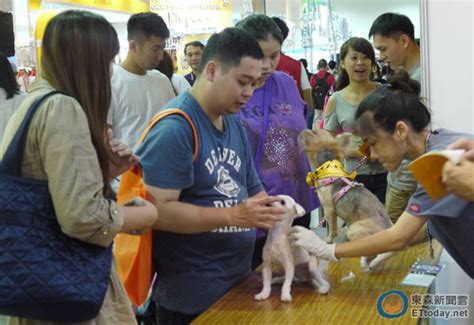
317 27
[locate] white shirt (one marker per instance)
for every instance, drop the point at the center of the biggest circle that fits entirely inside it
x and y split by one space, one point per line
7 108
135 100
304 79
415 73
180 84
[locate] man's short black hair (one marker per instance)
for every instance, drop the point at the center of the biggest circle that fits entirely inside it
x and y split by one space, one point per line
323 64
193 43
283 27
390 24
143 25
229 46
332 64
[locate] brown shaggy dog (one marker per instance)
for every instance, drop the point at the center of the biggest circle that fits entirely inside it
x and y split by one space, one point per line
359 208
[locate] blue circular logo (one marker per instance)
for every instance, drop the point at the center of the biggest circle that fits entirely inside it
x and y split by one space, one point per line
392 304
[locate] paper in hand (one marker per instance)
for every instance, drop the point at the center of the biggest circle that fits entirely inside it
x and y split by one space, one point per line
428 168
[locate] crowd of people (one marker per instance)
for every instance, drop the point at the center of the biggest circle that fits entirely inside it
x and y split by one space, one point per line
248 102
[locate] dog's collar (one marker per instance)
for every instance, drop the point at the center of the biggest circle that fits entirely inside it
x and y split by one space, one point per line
331 168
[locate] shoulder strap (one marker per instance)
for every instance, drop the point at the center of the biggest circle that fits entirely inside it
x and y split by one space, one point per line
11 161
321 81
326 76
168 112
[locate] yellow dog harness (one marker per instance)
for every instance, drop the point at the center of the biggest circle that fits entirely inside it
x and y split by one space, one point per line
328 173
331 168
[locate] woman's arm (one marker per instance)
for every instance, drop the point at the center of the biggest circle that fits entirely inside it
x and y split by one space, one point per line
395 238
330 107
75 180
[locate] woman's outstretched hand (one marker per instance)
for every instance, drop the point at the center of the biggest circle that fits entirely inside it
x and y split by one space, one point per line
308 240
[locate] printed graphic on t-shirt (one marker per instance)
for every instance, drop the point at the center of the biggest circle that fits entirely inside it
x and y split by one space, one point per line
225 184
216 166
224 155
231 229
221 164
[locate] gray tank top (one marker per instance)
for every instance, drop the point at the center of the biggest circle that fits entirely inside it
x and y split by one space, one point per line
342 119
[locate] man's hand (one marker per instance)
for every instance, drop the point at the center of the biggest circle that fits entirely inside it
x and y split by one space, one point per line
308 240
464 144
459 179
121 156
256 212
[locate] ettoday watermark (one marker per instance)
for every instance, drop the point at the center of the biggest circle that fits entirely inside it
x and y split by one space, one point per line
447 306
395 303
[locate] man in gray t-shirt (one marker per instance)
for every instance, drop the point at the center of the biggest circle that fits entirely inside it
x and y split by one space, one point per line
394 37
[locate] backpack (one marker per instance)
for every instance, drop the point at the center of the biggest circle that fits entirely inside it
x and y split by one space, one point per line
326 99
133 253
319 91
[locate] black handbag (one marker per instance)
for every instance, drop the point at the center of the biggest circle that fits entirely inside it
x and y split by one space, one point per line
44 274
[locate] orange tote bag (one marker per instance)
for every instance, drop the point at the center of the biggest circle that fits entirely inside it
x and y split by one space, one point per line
133 253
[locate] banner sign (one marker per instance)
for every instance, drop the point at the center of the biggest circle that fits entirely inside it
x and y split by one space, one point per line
194 17
128 6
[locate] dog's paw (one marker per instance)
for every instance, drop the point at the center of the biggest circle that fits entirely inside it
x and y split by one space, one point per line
262 296
286 297
324 288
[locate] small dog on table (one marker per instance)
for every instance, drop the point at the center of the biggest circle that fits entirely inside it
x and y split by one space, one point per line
277 250
338 194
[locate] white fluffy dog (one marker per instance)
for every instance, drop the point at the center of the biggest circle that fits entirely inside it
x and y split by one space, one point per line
278 250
